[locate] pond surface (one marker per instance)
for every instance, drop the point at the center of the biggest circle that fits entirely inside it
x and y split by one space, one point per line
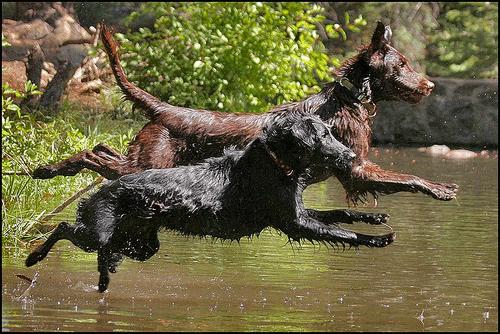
441 273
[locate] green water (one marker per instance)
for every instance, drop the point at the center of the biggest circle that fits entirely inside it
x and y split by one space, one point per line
441 273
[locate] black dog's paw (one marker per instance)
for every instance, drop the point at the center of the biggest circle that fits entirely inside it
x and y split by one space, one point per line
34 258
44 172
379 240
376 218
103 283
384 240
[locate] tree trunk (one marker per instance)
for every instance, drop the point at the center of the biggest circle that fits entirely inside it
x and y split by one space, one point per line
55 88
34 65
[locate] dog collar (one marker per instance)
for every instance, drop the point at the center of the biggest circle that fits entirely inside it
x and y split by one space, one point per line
364 99
281 165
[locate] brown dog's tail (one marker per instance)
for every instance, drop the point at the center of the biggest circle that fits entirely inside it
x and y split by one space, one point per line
142 99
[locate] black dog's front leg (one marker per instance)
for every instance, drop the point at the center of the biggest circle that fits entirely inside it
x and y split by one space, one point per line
347 217
313 230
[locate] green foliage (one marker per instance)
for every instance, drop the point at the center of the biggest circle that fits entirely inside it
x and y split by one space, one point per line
25 139
32 139
229 56
13 122
468 44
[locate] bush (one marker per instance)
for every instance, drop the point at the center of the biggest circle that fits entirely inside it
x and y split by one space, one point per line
32 139
229 56
467 46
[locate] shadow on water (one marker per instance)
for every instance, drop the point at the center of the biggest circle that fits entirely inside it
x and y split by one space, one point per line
441 273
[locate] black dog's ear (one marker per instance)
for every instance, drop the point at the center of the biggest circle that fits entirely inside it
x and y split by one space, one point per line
382 35
282 127
307 130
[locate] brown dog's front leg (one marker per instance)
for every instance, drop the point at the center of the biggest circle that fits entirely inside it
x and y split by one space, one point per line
369 177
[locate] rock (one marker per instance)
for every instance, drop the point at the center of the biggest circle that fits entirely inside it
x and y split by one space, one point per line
460 154
446 152
460 112
484 153
437 150
14 73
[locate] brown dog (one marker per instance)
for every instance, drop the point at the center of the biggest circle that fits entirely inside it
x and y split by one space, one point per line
179 136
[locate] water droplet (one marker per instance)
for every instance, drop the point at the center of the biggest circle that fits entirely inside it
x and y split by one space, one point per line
421 317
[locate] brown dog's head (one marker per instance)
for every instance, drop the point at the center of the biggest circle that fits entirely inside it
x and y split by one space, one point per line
392 77
382 73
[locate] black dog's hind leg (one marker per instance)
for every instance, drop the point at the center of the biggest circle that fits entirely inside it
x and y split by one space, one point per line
310 229
114 261
41 251
348 217
77 234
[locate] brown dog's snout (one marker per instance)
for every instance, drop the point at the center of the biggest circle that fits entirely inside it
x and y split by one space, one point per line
430 84
427 86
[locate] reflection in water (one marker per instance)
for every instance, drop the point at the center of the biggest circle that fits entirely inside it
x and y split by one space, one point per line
441 273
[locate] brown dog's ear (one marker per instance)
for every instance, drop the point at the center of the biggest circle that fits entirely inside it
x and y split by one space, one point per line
382 35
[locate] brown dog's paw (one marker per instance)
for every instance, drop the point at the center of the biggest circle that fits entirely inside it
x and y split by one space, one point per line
444 191
44 172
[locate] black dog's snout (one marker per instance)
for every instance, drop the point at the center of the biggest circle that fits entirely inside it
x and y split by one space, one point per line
344 160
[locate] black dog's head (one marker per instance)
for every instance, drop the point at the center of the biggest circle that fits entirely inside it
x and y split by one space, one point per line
301 141
392 75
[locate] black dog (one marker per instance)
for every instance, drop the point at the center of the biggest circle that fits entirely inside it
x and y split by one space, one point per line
228 197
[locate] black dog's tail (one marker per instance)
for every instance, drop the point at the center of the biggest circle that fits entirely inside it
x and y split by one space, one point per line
142 99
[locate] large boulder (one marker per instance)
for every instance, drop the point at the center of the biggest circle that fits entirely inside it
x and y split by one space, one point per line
458 112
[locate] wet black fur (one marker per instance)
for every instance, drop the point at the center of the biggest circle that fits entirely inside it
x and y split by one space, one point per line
236 195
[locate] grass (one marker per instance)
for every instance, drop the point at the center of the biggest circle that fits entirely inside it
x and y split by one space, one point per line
33 140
